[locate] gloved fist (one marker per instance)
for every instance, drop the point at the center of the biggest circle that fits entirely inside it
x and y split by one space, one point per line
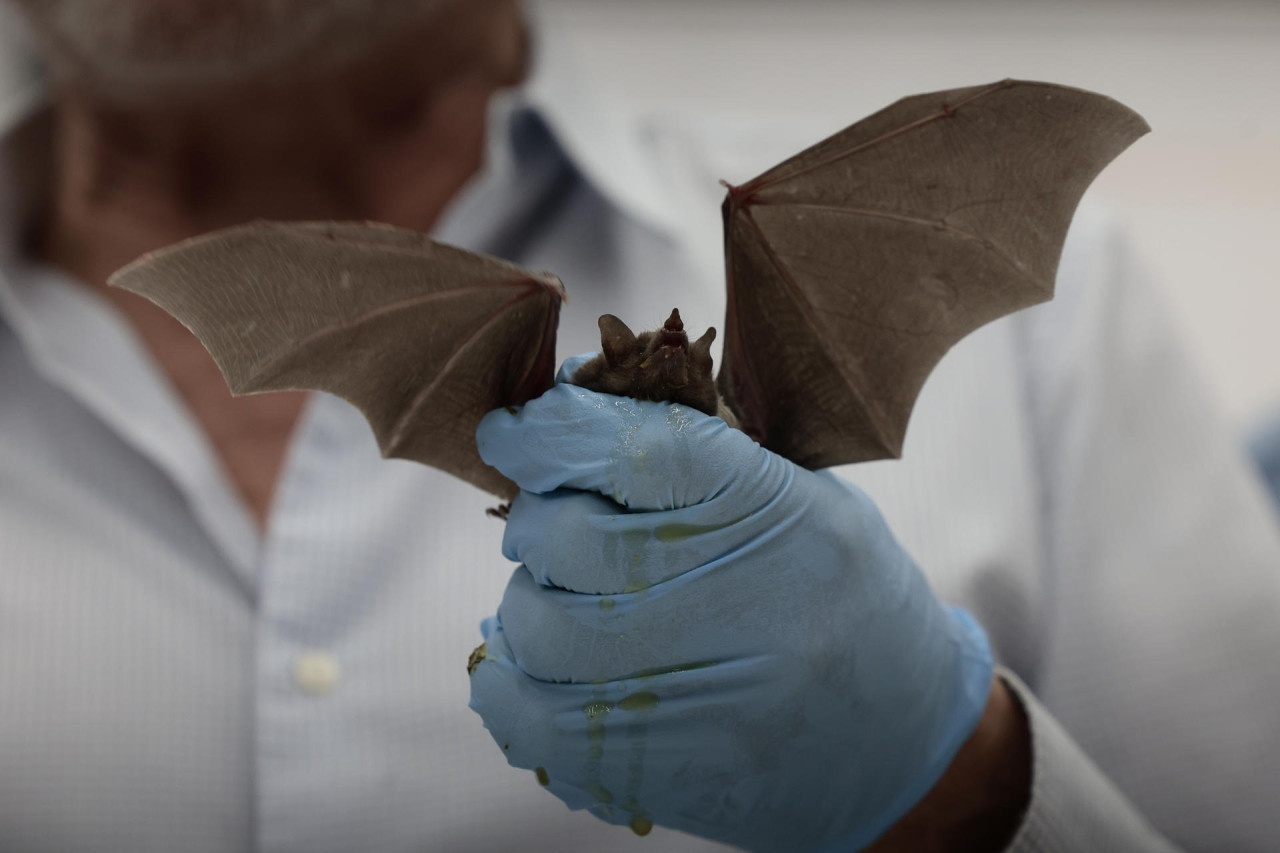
706 636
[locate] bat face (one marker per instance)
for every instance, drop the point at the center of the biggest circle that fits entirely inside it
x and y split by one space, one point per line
657 365
851 269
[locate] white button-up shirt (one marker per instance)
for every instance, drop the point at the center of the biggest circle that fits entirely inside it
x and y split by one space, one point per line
170 679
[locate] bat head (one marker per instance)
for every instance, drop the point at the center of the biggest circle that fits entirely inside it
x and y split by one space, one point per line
657 365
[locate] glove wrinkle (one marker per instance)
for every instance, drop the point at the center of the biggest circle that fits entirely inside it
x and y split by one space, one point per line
703 635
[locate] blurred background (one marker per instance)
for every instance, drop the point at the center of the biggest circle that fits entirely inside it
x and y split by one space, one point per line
1200 195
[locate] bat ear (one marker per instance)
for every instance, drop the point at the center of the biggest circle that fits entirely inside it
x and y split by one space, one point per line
702 346
616 340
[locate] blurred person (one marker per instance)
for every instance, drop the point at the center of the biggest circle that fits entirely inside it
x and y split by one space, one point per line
227 624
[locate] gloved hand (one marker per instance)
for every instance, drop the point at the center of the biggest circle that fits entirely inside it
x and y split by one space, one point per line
708 637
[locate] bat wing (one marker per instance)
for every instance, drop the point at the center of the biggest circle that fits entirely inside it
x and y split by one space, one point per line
855 265
423 338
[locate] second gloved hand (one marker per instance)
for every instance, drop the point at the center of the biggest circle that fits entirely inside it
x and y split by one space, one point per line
706 636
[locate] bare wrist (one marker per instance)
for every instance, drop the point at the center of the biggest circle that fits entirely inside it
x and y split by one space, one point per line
978 803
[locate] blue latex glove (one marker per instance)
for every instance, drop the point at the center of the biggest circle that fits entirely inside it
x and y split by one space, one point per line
708 637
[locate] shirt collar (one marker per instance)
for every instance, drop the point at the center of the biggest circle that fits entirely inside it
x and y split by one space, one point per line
607 144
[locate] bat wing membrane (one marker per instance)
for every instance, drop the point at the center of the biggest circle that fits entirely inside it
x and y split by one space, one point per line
868 255
423 338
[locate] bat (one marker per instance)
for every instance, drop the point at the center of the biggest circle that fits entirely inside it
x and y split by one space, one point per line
851 269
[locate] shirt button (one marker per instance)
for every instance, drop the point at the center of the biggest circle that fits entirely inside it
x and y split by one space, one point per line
316 672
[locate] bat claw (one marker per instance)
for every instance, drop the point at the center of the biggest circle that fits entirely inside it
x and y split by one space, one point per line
501 511
478 654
